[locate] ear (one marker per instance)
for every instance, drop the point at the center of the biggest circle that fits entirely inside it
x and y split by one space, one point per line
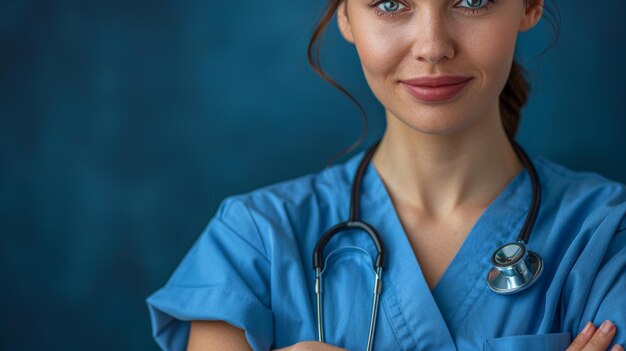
343 22
533 9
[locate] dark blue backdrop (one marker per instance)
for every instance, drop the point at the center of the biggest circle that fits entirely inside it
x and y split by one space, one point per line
124 123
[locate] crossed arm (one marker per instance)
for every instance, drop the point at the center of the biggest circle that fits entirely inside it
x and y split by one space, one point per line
218 335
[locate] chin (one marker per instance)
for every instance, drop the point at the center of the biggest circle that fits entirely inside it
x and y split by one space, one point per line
436 124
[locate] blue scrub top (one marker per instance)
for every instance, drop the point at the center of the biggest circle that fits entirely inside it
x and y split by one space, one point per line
252 267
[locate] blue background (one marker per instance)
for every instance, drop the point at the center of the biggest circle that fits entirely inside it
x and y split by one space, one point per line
124 123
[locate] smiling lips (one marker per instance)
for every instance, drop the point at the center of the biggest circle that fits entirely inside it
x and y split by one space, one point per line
435 89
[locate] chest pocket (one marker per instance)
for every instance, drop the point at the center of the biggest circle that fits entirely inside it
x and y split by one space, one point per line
548 342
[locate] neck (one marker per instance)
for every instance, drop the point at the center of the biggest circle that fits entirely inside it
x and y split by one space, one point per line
438 174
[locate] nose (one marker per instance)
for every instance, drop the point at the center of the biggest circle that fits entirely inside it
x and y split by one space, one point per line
433 42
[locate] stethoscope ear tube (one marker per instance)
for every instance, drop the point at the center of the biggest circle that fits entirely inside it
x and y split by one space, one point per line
514 267
318 256
352 223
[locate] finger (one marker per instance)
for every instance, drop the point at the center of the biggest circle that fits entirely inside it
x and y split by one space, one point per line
617 347
602 337
583 338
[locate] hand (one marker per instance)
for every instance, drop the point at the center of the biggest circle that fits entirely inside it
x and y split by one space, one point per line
311 346
595 339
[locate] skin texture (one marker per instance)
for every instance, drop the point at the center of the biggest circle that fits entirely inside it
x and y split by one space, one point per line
435 38
221 336
457 146
595 339
216 335
442 163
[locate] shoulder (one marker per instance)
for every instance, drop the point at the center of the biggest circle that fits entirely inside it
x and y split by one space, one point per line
292 199
572 189
556 173
582 214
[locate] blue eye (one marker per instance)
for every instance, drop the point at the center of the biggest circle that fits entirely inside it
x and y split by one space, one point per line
391 8
388 8
473 3
474 6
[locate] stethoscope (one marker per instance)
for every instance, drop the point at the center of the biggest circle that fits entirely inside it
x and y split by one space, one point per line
514 268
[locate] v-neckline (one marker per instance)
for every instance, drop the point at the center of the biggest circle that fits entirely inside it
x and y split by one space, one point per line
460 284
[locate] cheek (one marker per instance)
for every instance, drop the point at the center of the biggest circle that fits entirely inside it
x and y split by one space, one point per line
380 50
490 50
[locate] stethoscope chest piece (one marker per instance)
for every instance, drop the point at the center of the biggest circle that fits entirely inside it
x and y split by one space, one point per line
515 268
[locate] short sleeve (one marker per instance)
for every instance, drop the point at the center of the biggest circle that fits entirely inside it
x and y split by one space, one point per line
224 276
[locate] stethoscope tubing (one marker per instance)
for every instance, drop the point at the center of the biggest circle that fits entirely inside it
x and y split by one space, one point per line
501 279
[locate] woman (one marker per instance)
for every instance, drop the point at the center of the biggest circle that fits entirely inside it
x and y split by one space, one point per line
444 188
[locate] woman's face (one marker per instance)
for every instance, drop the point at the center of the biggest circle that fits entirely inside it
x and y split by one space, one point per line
406 39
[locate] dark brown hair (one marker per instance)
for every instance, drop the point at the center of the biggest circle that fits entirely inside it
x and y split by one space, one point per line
512 98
